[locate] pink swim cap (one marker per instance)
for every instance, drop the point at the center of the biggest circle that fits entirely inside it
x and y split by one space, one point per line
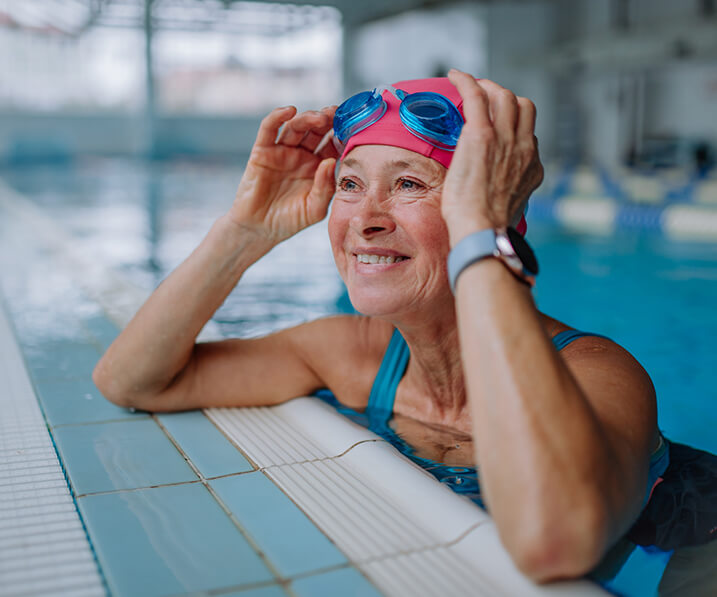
389 130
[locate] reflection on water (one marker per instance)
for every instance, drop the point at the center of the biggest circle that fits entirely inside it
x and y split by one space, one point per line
435 442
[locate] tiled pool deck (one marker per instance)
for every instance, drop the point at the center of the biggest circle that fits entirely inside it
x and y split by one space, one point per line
260 502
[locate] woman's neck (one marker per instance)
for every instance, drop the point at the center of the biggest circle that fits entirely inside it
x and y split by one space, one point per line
433 388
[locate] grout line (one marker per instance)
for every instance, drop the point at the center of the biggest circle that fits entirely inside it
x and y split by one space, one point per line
250 540
220 430
427 548
131 489
290 464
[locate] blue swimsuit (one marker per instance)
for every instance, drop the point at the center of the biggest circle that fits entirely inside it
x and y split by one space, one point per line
462 479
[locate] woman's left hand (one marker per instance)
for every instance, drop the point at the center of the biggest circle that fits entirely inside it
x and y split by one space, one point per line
496 164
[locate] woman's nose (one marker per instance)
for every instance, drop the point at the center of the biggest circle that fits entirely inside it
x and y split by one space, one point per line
372 217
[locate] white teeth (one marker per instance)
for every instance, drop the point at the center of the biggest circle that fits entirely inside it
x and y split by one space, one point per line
364 258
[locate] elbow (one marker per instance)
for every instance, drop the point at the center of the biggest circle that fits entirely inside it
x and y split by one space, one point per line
561 547
108 385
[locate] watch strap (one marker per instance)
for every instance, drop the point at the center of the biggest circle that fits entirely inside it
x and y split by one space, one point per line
472 248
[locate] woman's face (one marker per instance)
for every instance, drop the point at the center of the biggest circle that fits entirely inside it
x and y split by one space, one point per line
389 240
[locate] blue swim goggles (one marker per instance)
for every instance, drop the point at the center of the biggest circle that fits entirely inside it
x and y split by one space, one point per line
430 116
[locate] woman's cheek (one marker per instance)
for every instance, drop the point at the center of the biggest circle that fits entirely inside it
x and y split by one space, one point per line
338 224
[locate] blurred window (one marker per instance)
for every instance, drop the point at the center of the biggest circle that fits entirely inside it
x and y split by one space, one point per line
210 57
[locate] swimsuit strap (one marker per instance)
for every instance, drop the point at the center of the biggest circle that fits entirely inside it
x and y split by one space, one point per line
562 339
393 366
395 361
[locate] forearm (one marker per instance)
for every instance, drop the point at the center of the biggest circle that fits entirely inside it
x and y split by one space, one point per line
540 447
157 343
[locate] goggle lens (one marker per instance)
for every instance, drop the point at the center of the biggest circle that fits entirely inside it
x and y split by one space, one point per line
432 118
357 113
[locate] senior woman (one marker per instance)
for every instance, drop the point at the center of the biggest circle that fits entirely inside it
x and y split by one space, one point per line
563 440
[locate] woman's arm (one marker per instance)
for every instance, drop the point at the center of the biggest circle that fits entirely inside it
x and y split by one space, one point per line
563 441
154 363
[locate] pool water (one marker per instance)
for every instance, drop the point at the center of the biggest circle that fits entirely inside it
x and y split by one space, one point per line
653 296
658 299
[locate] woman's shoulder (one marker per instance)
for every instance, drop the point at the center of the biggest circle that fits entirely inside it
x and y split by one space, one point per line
345 351
588 348
357 333
613 380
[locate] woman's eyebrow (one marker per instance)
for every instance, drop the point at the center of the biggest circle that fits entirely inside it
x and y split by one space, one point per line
391 166
421 169
401 164
351 163
397 164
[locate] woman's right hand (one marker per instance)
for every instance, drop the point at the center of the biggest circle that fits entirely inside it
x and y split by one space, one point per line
287 184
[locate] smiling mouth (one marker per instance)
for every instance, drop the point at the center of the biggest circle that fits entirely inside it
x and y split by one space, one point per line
373 259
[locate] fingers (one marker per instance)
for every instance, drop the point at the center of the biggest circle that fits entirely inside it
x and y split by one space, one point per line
321 191
475 99
526 119
284 126
509 115
269 127
305 129
503 108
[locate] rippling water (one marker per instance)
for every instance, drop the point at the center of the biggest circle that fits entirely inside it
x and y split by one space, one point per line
144 219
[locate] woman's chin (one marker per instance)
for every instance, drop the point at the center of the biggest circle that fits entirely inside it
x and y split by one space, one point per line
375 304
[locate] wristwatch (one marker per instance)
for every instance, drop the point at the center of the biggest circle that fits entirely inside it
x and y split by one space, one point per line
506 244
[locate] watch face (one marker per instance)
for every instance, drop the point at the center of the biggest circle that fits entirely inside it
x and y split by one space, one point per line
523 251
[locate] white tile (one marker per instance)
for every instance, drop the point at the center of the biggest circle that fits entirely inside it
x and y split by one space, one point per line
409 489
349 509
425 574
309 430
332 432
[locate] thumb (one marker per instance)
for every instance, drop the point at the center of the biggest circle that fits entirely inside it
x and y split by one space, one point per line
322 190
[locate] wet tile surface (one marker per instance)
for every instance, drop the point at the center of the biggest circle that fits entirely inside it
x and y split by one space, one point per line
120 455
280 529
347 582
168 541
78 401
61 359
207 447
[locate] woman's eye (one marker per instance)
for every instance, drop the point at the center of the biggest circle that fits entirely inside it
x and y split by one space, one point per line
346 184
408 185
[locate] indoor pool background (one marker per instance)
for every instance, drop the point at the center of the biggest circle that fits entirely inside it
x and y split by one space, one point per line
654 296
